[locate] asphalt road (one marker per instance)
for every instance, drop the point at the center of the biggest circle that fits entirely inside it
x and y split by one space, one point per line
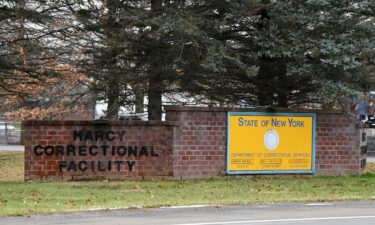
344 213
18 148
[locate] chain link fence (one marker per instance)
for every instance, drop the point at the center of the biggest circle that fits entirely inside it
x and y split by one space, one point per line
10 133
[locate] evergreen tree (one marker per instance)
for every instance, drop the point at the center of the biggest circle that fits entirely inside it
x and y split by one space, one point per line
305 51
312 51
247 52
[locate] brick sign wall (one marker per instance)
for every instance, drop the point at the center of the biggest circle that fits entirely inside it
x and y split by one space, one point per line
190 144
199 144
338 149
73 150
338 145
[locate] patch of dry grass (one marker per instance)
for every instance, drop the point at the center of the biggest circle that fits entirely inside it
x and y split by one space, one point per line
11 166
370 168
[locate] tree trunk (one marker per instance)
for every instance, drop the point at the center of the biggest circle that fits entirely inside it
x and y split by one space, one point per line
22 33
265 83
113 100
272 80
155 86
139 98
282 89
155 99
273 83
113 85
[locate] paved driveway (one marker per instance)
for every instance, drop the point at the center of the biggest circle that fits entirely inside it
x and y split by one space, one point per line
12 148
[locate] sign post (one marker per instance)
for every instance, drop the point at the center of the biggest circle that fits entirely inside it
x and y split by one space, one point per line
271 143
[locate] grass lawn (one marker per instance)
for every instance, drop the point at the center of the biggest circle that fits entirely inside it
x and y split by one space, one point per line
20 198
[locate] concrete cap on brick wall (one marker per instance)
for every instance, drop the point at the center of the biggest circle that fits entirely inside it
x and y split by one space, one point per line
255 109
97 123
